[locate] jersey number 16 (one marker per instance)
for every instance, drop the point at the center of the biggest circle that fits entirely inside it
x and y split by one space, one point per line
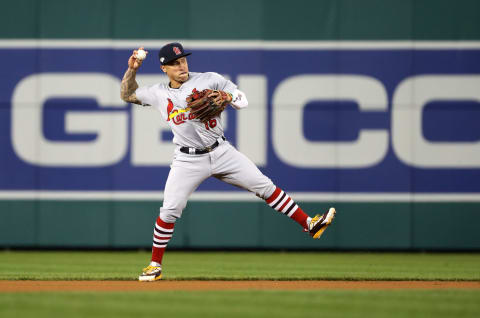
210 124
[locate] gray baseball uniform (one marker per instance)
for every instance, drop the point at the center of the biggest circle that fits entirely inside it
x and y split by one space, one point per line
202 152
189 170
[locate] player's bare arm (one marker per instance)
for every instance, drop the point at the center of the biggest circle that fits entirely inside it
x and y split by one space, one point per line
129 84
128 87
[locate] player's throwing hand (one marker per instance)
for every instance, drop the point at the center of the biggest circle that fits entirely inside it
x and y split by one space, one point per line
135 61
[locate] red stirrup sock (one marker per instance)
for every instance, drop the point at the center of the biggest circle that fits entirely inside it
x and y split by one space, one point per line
162 233
281 201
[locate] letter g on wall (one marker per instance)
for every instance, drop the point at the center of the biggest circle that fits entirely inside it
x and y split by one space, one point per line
28 140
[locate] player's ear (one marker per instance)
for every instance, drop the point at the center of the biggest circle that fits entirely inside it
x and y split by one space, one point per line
164 69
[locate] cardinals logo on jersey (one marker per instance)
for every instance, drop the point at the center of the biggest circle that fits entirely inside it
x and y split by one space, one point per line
177 116
169 108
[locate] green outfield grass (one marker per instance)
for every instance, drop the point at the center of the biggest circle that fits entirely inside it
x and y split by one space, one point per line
241 266
250 303
242 303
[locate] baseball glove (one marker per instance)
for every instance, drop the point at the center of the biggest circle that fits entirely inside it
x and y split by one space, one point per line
207 104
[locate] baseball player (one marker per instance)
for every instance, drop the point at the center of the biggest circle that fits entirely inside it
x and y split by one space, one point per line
202 151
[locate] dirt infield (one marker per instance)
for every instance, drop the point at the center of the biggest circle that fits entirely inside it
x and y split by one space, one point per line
37 286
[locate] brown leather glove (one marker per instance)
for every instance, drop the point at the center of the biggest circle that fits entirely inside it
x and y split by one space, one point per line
207 104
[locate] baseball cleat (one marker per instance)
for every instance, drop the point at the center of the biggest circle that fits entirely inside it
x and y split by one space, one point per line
151 274
319 223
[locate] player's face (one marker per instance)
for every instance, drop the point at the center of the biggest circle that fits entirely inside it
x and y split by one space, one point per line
177 70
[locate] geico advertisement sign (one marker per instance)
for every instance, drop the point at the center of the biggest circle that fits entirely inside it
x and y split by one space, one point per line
333 120
289 98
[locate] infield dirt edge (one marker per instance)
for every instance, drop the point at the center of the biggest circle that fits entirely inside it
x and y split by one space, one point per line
166 285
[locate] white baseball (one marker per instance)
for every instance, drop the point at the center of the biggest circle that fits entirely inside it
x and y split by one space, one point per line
141 55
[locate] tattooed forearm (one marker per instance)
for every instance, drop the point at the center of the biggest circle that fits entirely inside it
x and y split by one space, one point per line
128 87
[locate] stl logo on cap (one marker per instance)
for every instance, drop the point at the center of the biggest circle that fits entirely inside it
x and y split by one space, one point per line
177 50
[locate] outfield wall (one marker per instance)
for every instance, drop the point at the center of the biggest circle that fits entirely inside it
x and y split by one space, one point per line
371 106
128 224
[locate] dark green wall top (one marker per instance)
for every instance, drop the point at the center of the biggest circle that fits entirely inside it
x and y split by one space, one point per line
242 20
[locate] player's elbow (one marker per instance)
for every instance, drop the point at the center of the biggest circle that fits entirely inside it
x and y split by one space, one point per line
130 99
239 100
243 103
238 107
125 97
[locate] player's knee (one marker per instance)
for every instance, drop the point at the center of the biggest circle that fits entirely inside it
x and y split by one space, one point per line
265 191
169 216
172 209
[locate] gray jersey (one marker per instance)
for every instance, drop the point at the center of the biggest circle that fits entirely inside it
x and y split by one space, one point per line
171 102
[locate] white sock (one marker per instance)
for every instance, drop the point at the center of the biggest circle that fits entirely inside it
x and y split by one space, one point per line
309 219
155 264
